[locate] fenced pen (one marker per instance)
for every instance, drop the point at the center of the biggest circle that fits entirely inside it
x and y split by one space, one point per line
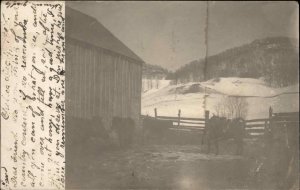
255 128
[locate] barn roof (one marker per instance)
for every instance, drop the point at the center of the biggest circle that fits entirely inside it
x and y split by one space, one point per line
85 28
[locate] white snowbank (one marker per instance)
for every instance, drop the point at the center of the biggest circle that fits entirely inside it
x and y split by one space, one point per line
194 98
246 87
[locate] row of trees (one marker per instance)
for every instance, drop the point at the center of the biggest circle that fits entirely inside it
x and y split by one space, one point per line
154 71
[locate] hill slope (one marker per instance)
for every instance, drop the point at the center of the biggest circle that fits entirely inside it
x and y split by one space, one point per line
275 59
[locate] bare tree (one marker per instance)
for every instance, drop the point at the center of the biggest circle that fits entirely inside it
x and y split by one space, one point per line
157 82
232 107
220 109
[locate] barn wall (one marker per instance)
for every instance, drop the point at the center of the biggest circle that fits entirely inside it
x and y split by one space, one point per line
102 83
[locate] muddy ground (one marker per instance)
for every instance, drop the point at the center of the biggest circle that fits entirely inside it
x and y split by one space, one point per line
160 167
178 166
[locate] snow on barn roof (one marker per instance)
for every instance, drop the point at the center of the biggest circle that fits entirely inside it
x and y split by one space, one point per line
85 28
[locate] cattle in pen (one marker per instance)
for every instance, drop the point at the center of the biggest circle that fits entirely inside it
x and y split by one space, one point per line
219 129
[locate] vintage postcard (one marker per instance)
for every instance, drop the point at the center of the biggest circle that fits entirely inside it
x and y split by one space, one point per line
196 95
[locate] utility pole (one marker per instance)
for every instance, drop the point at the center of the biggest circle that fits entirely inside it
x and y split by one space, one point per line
206 53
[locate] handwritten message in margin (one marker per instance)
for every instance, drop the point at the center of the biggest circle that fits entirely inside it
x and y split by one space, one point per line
32 95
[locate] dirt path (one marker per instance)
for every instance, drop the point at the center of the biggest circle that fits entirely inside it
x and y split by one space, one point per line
161 167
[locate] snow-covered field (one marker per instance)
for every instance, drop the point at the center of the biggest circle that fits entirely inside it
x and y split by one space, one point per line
193 98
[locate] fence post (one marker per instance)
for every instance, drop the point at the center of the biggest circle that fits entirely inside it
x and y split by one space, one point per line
270 112
266 125
270 117
179 112
270 129
206 117
155 113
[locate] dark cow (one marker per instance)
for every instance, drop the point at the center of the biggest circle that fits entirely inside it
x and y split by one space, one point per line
155 130
125 128
77 130
98 128
214 131
219 128
86 134
236 131
283 155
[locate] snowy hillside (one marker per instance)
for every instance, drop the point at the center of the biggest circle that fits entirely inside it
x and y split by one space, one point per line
246 87
153 85
194 98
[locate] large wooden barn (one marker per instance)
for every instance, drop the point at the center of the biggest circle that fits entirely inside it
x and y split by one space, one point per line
103 75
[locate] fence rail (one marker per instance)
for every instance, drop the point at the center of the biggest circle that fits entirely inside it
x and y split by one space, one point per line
254 127
191 122
290 114
181 118
257 120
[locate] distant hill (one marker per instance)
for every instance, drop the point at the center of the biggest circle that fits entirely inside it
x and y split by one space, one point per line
275 59
154 72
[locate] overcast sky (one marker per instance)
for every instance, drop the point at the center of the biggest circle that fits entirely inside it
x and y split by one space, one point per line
171 34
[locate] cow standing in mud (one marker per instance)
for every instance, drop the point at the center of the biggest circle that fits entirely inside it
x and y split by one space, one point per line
220 128
124 128
280 166
236 131
214 132
87 135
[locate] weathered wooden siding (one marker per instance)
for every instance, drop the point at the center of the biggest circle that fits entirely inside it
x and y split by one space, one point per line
102 83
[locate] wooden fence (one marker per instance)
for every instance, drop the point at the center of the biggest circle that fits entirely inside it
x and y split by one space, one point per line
255 128
185 123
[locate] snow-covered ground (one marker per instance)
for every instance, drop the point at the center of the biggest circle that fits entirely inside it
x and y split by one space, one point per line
193 98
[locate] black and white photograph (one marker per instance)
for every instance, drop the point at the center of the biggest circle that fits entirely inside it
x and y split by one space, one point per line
185 95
